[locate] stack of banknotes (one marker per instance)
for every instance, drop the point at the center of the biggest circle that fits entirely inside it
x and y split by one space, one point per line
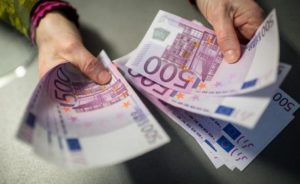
232 110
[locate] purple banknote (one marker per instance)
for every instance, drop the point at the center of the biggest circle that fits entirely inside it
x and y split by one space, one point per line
76 122
184 56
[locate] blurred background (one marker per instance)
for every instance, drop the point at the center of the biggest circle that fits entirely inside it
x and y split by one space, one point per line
118 26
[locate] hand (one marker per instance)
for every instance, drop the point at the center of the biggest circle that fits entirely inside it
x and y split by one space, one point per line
232 20
59 41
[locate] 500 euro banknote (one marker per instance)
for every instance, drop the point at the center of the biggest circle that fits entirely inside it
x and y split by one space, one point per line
230 144
245 109
185 57
75 123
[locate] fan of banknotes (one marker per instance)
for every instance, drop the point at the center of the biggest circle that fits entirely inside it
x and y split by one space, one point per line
232 110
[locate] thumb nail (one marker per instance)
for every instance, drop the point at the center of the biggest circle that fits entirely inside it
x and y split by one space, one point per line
104 77
231 56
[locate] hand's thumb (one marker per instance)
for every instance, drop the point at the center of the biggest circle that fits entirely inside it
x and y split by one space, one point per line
91 67
227 39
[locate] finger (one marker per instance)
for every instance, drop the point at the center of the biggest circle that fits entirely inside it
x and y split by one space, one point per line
249 20
227 38
91 66
249 29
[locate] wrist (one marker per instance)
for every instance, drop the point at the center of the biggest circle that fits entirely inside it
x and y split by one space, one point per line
56 27
48 6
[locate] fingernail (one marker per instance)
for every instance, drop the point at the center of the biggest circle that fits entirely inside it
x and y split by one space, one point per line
104 77
231 56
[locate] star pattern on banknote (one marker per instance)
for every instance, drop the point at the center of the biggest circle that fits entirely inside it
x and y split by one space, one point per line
202 85
68 99
115 88
209 40
186 54
195 98
90 91
126 104
185 67
66 109
190 79
180 95
103 87
73 119
125 94
218 84
196 44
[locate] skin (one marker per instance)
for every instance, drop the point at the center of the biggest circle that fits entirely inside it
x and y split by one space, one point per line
233 21
59 40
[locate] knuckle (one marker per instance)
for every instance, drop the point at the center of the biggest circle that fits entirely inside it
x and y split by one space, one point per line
89 65
219 11
223 37
257 18
226 41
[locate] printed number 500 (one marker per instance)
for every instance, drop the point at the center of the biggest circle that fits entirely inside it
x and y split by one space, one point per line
283 102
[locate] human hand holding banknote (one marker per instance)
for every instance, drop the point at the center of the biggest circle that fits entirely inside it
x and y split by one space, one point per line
75 122
233 21
186 57
59 41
